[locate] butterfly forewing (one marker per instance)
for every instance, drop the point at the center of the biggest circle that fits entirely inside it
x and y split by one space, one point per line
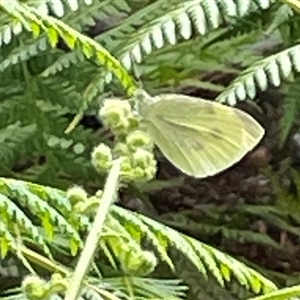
200 137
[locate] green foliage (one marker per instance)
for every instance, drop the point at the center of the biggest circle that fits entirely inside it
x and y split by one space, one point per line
53 72
291 109
261 74
59 220
287 293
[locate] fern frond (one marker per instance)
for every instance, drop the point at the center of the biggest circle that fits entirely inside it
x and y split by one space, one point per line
13 28
240 26
150 288
11 138
134 228
278 215
179 20
261 74
245 276
63 62
208 259
51 219
291 109
181 222
61 7
25 52
85 16
7 240
8 31
282 15
36 22
110 11
12 215
127 249
282 294
50 90
49 195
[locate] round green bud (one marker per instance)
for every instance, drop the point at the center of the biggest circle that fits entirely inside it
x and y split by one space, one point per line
58 284
114 112
76 194
139 173
139 139
133 122
99 194
102 157
117 115
142 158
34 287
115 104
88 208
79 207
150 172
138 166
145 164
140 263
126 165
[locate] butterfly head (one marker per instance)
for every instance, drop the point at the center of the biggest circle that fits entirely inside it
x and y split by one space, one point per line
141 101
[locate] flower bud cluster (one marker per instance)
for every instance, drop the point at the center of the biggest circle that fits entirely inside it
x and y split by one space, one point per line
131 144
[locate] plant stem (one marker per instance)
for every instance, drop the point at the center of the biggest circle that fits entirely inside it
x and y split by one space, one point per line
92 240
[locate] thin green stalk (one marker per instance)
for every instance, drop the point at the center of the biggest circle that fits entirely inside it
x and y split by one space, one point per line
92 241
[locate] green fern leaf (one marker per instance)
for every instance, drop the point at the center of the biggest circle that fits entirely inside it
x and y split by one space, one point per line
291 109
291 293
7 240
180 19
282 15
207 259
267 71
50 217
135 227
11 138
55 28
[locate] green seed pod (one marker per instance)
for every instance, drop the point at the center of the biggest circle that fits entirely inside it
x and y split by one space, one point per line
102 157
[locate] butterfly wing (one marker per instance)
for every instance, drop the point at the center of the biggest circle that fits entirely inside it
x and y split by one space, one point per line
200 137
